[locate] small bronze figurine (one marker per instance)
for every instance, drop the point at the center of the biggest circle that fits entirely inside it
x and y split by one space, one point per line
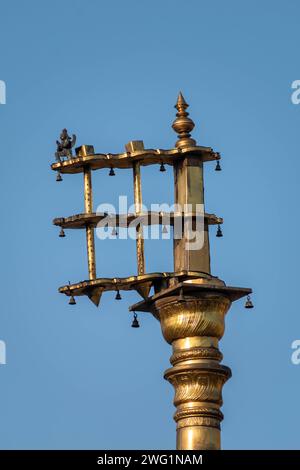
64 147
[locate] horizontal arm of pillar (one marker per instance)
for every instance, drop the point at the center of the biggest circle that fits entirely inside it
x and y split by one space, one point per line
80 221
125 160
142 283
192 287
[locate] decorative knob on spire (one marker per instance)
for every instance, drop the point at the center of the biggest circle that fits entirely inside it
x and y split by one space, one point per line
183 125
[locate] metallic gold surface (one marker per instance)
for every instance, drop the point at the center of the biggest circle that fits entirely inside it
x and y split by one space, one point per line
194 327
138 202
183 125
189 189
135 145
163 283
80 221
190 283
90 237
189 303
84 150
126 159
192 318
90 241
88 196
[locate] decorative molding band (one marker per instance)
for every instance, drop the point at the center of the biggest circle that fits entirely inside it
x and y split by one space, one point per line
199 421
198 412
196 353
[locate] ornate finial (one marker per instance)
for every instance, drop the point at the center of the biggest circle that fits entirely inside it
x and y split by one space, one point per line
183 125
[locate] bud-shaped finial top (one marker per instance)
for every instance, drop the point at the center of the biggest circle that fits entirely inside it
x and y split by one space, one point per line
183 125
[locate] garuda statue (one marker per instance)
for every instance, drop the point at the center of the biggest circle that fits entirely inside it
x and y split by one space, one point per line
64 147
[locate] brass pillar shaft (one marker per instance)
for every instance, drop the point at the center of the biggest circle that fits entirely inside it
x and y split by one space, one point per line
194 327
90 237
189 190
138 202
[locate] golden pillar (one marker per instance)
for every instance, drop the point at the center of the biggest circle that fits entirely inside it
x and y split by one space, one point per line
191 311
138 203
190 303
88 207
193 325
138 209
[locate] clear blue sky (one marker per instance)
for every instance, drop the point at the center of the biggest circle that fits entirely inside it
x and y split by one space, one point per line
110 71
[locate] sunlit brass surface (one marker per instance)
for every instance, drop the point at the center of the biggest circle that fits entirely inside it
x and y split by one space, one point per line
90 237
126 159
183 125
192 318
190 283
138 202
161 282
193 322
164 285
194 328
192 312
79 221
189 189
189 303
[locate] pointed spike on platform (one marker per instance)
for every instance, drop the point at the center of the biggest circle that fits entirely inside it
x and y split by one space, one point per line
144 289
95 296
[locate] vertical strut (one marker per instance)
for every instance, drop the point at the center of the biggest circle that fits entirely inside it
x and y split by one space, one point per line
88 206
138 209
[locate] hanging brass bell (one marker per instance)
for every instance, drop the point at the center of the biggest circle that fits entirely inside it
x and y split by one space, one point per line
218 166
162 167
58 177
219 232
62 233
72 300
118 295
164 229
114 232
248 303
111 172
135 322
